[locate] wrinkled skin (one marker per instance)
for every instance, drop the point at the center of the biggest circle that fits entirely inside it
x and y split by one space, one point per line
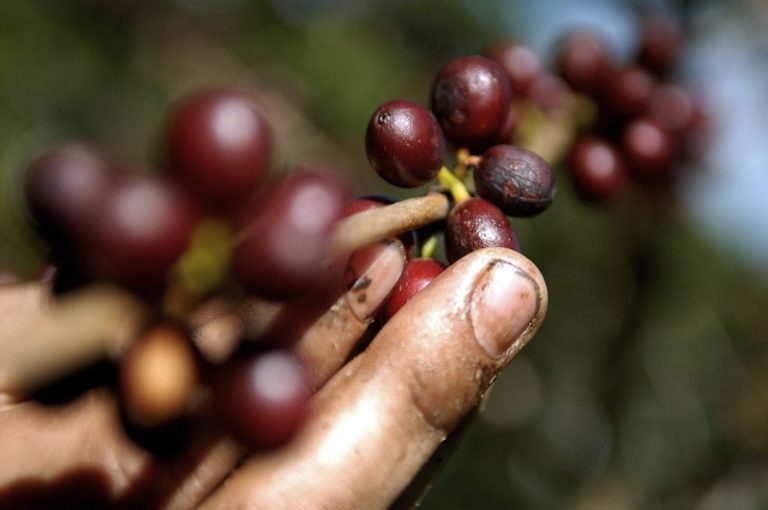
373 423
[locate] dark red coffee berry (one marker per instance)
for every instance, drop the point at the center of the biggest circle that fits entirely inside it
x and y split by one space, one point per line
630 91
220 145
511 121
284 241
405 144
262 397
673 107
649 149
521 64
515 180
585 61
470 98
475 224
550 93
418 273
63 188
660 43
144 226
596 169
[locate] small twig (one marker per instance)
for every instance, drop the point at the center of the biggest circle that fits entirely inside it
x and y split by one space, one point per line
389 221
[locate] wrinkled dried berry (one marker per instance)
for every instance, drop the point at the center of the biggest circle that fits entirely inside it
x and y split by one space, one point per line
515 180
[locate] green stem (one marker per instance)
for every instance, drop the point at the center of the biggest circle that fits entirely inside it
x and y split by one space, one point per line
429 247
453 184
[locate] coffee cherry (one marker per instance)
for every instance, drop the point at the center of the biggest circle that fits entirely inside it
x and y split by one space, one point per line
158 376
511 121
470 98
475 224
630 91
284 240
405 144
673 107
515 180
550 93
596 169
649 149
144 226
660 43
585 62
220 145
521 64
63 188
262 397
417 274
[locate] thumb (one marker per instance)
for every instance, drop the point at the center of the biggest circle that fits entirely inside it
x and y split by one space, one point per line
378 420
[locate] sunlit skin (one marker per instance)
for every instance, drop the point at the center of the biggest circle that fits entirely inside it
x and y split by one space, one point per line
371 426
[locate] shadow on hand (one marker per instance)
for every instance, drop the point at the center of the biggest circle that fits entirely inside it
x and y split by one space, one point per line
81 489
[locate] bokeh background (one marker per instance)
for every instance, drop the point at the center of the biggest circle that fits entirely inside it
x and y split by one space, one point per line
648 384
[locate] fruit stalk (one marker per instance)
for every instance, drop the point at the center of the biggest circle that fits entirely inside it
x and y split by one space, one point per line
389 221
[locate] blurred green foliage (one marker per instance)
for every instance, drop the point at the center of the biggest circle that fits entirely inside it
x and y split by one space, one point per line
646 387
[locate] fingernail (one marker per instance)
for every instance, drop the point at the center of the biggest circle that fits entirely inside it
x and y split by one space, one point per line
377 279
504 302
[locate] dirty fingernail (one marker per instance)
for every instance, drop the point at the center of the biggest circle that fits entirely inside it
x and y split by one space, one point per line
503 304
379 268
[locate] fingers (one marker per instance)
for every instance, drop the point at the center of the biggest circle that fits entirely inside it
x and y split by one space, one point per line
88 434
379 418
19 305
325 344
375 271
37 345
49 451
50 448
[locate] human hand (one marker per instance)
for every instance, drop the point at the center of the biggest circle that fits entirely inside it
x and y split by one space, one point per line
370 430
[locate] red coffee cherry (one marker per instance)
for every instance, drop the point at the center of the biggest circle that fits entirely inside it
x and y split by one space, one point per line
470 98
418 273
475 224
521 64
405 144
649 149
220 146
585 62
596 169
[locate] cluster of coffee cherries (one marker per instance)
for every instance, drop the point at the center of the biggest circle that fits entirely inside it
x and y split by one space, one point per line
212 222
472 111
645 125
